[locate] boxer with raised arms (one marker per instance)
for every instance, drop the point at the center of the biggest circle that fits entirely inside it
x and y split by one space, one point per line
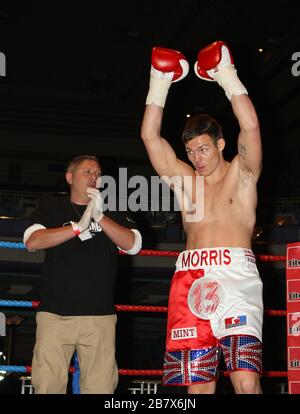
215 302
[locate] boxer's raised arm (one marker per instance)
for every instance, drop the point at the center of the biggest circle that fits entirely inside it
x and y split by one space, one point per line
167 66
215 63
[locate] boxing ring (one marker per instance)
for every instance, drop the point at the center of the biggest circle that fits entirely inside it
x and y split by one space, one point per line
291 313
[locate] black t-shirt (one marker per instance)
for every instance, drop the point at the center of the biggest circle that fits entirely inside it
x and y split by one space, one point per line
78 276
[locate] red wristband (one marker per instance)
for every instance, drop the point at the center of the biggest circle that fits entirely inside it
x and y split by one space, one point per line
75 228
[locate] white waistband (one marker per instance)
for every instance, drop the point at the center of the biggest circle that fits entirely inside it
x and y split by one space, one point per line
214 257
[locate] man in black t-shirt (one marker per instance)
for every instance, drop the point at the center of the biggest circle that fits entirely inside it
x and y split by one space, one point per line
77 295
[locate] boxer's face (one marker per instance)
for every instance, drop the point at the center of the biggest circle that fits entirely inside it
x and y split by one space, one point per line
83 176
204 154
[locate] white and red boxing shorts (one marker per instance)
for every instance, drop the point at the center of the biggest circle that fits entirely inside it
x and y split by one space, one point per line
215 303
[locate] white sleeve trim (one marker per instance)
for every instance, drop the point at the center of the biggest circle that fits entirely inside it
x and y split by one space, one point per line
137 243
28 232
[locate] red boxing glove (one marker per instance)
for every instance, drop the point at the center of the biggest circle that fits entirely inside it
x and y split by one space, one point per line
170 63
167 66
215 63
211 59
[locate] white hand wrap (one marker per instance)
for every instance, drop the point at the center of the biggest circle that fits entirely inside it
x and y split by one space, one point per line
97 211
227 78
159 87
85 221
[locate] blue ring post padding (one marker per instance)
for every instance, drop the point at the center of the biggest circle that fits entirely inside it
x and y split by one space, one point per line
76 376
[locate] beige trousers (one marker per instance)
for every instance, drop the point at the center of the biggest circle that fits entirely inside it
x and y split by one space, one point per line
57 338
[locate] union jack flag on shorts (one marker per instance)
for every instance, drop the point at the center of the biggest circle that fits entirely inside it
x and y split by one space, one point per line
191 366
242 352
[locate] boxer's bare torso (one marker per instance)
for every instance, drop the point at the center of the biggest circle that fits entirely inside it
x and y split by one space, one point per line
228 210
